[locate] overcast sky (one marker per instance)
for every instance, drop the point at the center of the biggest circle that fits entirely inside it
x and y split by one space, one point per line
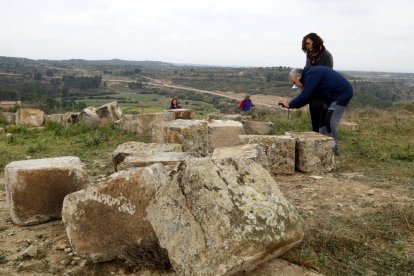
363 35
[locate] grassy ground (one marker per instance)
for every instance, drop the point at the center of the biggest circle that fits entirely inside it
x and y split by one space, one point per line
381 155
93 145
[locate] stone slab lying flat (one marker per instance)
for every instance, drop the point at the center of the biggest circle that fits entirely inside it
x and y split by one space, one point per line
36 188
249 151
182 113
280 151
257 127
314 151
139 148
222 116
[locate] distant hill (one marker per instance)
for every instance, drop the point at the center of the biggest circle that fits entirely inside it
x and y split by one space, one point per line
84 62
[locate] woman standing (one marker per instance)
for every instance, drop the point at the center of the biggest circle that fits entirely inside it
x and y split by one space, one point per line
316 54
174 104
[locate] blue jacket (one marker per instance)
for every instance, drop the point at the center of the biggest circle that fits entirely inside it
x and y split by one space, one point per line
323 83
246 105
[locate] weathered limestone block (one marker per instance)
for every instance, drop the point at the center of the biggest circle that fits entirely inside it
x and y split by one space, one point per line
36 188
257 127
70 118
182 113
8 117
89 116
222 116
314 151
2 130
57 118
348 125
223 134
192 134
280 151
109 113
140 148
249 151
107 221
220 217
142 124
171 160
30 116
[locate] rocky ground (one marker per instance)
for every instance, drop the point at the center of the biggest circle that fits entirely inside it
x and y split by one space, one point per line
44 249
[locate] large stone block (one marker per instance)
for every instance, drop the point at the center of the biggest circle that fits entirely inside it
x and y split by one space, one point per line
30 116
88 116
191 134
220 217
249 151
182 113
280 151
8 117
223 133
140 148
57 118
107 221
222 116
70 118
314 151
36 188
109 113
142 124
257 127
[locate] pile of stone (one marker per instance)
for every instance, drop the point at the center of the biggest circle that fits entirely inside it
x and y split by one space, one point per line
199 200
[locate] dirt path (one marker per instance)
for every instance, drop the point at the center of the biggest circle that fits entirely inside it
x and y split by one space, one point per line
258 99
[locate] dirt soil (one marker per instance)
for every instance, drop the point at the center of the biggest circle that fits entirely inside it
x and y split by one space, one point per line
44 249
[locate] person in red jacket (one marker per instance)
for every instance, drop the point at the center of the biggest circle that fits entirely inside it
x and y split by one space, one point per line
246 104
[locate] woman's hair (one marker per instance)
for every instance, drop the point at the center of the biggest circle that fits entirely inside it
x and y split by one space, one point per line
173 100
316 39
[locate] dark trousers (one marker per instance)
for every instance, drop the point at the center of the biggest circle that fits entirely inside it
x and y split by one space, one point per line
315 110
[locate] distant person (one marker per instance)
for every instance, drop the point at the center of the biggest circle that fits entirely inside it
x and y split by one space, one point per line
246 104
174 104
316 55
327 85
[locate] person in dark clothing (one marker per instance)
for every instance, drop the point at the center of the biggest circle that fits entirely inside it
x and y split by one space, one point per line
324 84
246 104
316 54
174 104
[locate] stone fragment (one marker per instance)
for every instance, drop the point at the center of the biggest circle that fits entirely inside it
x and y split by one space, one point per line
140 148
257 127
222 217
191 134
36 188
249 151
182 113
107 221
280 151
314 151
142 124
223 133
30 116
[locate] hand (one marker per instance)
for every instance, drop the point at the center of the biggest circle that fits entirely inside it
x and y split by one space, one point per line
284 103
